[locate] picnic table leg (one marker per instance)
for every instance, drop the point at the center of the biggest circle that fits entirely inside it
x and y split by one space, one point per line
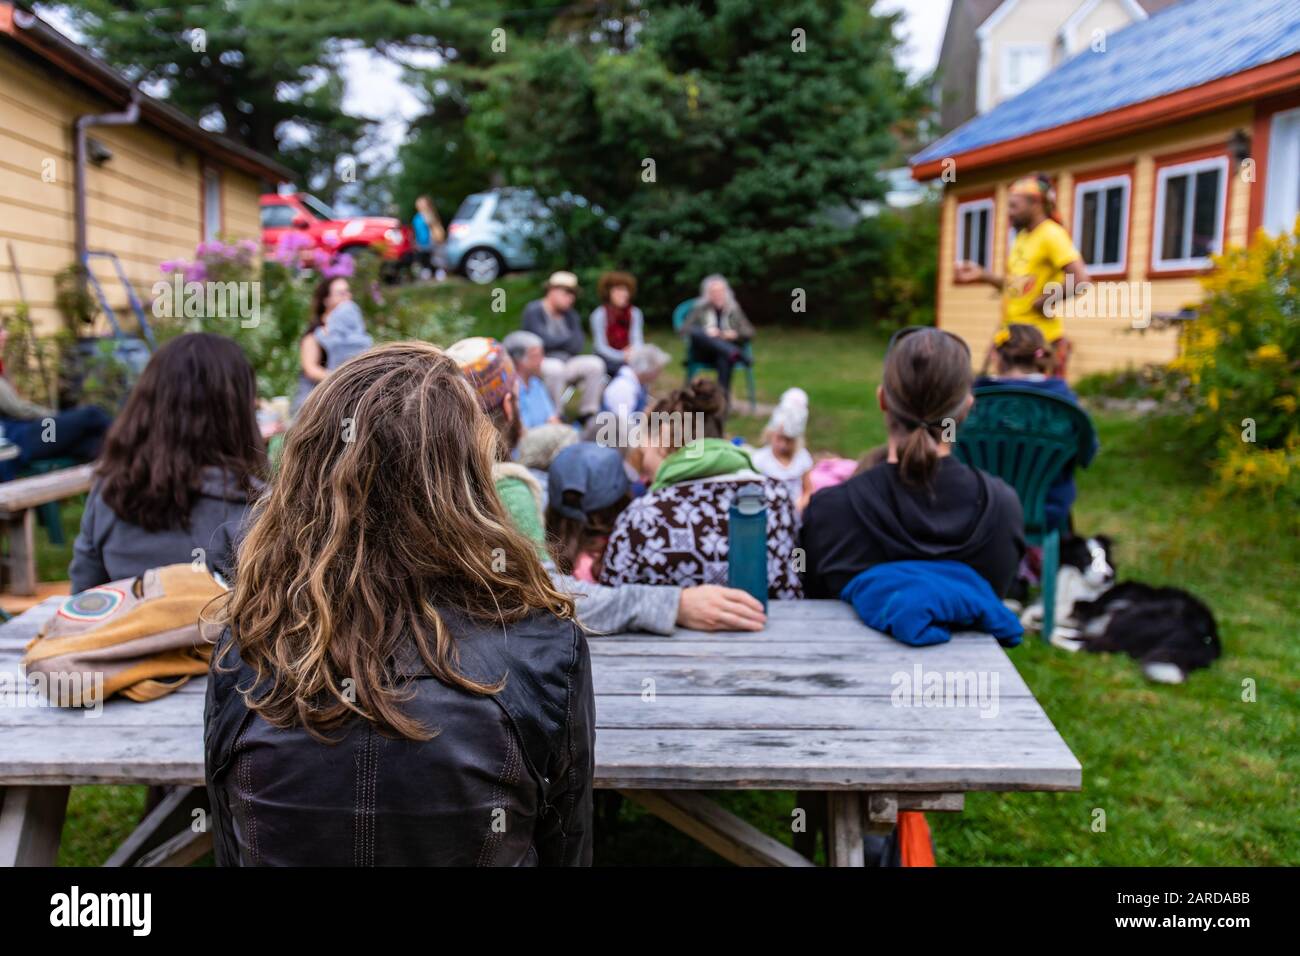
844 836
31 825
21 531
172 816
721 831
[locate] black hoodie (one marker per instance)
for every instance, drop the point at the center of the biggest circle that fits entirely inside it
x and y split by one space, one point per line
965 515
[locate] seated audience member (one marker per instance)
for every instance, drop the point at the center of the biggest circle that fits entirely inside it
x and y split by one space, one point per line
677 532
629 392
179 467
783 456
344 335
1023 359
554 319
486 365
391 643
331 293
827 471
535 405
617 326
717 329
538 448
41 433
921 503
588 491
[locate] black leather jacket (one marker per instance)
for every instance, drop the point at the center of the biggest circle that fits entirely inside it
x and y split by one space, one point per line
505 782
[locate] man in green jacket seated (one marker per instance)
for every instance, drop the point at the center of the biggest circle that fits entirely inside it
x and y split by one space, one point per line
653 608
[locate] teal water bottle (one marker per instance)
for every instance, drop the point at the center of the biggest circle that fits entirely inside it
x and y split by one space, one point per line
747 542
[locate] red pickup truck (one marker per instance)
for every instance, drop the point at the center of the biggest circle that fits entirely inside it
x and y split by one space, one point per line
383 235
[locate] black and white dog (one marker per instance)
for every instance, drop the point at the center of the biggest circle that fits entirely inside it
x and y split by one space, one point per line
1167 630
1092 556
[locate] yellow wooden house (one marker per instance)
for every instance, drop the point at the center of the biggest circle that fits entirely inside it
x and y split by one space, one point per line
152 184
1167 141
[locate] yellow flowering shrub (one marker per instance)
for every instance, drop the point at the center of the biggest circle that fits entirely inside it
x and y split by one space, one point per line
1242 358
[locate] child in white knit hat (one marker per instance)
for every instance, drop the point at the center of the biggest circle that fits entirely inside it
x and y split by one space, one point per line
783 456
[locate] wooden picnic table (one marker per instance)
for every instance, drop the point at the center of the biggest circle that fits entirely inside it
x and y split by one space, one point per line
814 703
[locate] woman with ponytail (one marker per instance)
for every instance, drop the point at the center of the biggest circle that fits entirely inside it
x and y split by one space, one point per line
920 503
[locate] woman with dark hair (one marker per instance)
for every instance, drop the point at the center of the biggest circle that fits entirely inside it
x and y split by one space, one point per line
920 503
398 682
677 533
329 293
617 326
178 468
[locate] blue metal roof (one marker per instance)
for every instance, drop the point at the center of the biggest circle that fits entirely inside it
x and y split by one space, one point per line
1185 45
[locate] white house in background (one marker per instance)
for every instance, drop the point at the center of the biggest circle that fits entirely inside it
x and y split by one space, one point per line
996 49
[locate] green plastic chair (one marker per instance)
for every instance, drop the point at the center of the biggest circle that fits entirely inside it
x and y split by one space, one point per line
694 368
1025 436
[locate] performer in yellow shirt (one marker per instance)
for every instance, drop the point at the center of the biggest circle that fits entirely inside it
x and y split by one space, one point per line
1042 257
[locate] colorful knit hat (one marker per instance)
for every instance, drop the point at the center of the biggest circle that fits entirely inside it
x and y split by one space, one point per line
487 365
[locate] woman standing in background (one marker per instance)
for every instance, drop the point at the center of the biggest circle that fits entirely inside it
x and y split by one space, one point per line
430 238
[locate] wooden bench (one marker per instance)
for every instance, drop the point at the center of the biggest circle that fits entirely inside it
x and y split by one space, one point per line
18 500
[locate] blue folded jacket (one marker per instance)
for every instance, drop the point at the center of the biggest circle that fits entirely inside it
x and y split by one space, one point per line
923 602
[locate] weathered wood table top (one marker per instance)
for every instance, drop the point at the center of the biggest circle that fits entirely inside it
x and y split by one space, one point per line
817 702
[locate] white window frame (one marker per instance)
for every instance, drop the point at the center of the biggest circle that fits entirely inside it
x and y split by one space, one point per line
1189 169
974 206
1102 186
1004 66
212 224
1282 188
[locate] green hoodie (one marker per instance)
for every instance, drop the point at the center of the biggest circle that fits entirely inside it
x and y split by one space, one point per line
701 459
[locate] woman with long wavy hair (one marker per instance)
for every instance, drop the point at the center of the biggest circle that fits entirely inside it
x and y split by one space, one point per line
397 681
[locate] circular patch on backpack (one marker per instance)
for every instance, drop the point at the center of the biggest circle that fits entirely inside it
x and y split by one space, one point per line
93 605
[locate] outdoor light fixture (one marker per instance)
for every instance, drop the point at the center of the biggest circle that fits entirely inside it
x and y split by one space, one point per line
1239 146
97 153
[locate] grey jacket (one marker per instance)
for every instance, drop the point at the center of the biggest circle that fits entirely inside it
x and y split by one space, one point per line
629 607
702 315
110 549
561 339
343 335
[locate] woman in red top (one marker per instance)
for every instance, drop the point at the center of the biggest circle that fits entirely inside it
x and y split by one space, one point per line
617 326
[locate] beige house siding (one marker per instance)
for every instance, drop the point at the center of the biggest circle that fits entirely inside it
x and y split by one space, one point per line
1032 22
1106 343
1108 17
144 204
1040 23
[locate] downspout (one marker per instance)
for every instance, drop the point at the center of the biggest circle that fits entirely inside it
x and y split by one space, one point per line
127 117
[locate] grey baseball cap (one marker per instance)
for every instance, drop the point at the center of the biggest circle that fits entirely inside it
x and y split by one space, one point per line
594 471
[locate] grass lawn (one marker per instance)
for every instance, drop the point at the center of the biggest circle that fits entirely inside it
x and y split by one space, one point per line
1189 775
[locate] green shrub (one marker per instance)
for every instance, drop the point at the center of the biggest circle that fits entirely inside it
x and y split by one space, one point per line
1242 357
